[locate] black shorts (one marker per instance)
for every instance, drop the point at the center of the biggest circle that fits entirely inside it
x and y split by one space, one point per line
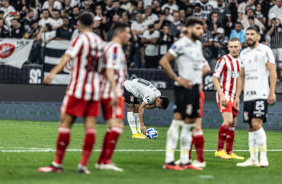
255 109
187 102
130 98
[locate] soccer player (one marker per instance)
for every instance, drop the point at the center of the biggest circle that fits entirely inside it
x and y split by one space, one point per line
258 66
187 52
82 95
225 77
112 93
151 96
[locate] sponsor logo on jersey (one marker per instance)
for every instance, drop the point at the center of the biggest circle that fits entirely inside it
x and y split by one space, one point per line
251 93
235 74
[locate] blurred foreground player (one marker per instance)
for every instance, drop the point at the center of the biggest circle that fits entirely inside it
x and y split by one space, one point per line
225 77
187 52
82 96
112 93
258 67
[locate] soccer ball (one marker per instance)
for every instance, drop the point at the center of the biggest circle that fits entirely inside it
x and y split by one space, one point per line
151 133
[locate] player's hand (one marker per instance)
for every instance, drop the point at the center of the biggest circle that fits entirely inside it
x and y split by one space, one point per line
223 100
271 99
114 101
143 129
237 103
48 79
184 82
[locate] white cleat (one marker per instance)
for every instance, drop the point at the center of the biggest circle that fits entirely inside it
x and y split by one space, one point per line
110 167
82 169
263 162
97 166
248 163
199 164
178 162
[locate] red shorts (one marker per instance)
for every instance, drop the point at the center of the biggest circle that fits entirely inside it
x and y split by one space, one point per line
229 108
79 107
202 99
111 112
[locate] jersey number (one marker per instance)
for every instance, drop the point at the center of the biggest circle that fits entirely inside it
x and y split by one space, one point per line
260 105
144 82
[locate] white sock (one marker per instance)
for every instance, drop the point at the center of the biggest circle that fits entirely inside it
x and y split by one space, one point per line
131 122
172 139
137 122
261 137
185 142
253 146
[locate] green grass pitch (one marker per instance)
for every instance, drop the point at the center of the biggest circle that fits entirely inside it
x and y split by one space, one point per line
22 142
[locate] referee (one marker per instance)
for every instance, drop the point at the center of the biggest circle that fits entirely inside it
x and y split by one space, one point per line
187 52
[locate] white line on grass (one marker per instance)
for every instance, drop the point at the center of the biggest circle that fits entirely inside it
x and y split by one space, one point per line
79 150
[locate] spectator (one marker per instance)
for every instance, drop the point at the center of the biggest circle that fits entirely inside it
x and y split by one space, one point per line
107 33
75 3
34 56
140 6
206 7
150 38
199 13
162 22
245 20
232 5
115 11
172 7
149 17
244 7
57 21
185 5
133 11
275 33
65 31
17 30
207 43
251 22
213 24
182 16
138 27
125 5
109 6
4 32
220 43
259 15
9 11
156 7
29 18
277 10
167 14
87 6
36 10
239 33
67 7
45 18
223 13
165 41
176 25
125 18
46 34
97 26
75 17
99 12
52 4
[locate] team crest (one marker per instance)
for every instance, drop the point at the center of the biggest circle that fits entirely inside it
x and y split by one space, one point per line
132 98
189 109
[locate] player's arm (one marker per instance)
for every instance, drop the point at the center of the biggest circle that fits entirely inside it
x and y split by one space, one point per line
141 117
165 64
206 70
272 79
110 74
147 106
239 87
59 67
223 99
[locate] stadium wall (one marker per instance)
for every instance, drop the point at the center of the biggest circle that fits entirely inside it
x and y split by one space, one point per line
42 103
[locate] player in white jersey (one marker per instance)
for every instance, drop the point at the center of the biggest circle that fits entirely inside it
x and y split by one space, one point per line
82 96
151 98
225 76
258 67
187 52
115 66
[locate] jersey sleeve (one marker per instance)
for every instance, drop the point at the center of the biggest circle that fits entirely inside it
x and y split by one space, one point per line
113 57
269 57
148 99
176 49
219 67
75 47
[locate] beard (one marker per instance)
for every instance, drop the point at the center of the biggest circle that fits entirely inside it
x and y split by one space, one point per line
251 44
195 37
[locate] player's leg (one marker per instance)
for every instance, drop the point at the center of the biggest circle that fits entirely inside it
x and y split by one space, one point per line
137 120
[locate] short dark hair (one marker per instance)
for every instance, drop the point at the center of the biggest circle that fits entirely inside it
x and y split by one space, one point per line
238 23
251 18
234 40
118 26
255 28
191 21
165 101
86 19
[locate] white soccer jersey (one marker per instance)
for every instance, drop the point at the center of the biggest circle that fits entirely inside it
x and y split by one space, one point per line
188 56
227 70
256 74
115 59
141 88
87 53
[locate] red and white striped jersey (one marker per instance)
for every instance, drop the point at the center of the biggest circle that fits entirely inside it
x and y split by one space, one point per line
227 70
86 51
115 59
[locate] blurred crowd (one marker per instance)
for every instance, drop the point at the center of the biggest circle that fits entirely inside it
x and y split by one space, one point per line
155 24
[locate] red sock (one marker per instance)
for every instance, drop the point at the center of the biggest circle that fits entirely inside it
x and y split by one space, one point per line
198 139
222 136
230 140
62 144
190 151
111 143
102 153
89 140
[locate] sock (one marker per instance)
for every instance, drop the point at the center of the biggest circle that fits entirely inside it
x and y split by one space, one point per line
190 151
222 136
185 142
198 139
261 137
103 150
89 140
62 143
230 139
253 146
111 143
172 139
137 122
131 122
